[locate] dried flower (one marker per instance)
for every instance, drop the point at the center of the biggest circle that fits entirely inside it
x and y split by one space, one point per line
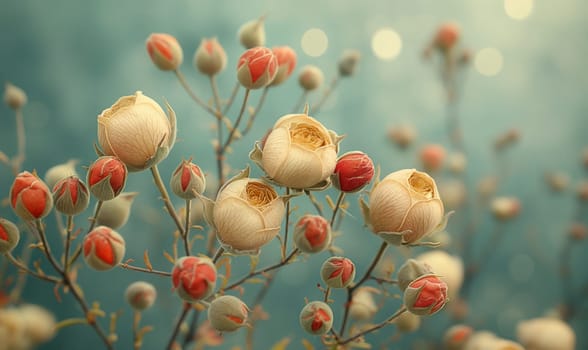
140 295
210 57
252 33
227 313
257 67
247 214
316 318
354 170
194 278
348 63
298 153
30 198
71 196
115 213
60 171
107 177
153 134
310 78
426 295
187 180
312 234
165 51
104 248
546 334
9 236
14 97
338 272
286 57
405 206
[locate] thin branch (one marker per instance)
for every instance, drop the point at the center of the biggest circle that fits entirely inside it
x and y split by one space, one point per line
142 269
374 328
165 197
193 95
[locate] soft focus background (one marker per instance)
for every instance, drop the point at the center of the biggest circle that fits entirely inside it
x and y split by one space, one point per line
528 72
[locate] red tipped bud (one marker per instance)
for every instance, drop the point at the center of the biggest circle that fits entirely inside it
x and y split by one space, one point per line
227 313
29 197
210 57
187 181
107 177
194 278
338 272
9 236
104 248
316 318
354 170
165 51
312 234
286 62
426 295
257 68
71 196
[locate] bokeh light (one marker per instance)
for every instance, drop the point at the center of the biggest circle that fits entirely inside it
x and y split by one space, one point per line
314 42
518 9
488 61
386 44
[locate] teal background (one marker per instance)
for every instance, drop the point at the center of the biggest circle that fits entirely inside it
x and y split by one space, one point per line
75 58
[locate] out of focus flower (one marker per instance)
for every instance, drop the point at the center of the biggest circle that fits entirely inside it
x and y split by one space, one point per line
310 77
407 322
448 267
39 323
107 177
104 248
115 213
348 63
165 51
187 180
487 186
312 234
316 318
338 272
9 236
298 153
227 313
60 171
252 33
286 62
210 57
457 162
30 198
507 139
557 181
480 340
71 196
582 190
456 336
505 208
194 278
426 295
354 170
402 135
411 270
257 67
140 295
447 36
432 157
363 307
14 97
138 115
453 192
578 231
247 214
546 334
405 206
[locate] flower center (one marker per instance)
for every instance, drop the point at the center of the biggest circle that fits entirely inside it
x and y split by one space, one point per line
307 136
422 185
259 194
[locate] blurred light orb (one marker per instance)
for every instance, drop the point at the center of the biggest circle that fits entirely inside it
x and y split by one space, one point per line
488 61
314 42
518 9
386 44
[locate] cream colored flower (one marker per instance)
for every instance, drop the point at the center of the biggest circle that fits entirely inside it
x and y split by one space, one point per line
137 130
363 306
298 153
404 207
546 333
247 214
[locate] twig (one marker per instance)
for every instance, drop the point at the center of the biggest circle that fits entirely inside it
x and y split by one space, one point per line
165 197
193 95
316 108
176 330
374 328
255 111
142 269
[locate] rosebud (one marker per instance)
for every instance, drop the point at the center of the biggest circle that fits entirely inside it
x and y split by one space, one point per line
9 236
140 295
107 177
546 334
448 267
71 196
115 213
432 157
39 322
411 270
153 133
14 97
338 272
447 36
426 295
363 307
252 33
210 57
354 170
257 68
456 337
505 208
227 313
405 206
194 278
310 78
286 62
165 51
348 63
60 171
316 318
407 322
29 197
402 135
104 248
312 234
187 180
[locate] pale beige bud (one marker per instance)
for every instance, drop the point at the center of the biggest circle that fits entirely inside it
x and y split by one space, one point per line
407 322
60 172
480 340
363 306
546 334
457 336
505 208
140 295
39 322
227 313
557 181
14 97
210 57
505 344
252 33
348 62
448 267
153 133
13 323
402 135
457 162
115 212
311 77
